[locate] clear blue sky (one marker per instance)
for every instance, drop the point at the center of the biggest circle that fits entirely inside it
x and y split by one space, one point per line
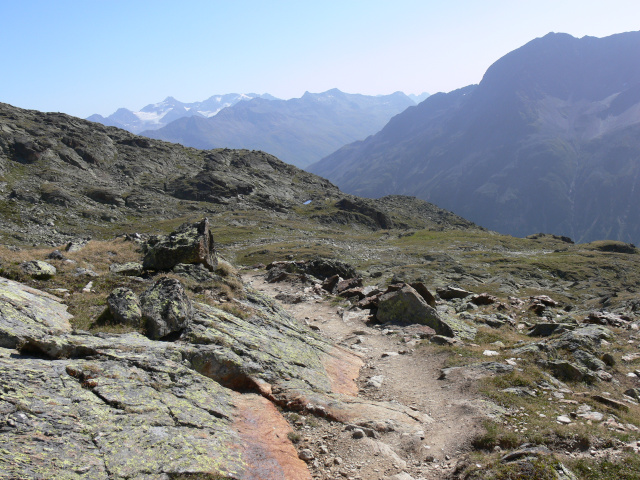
93 56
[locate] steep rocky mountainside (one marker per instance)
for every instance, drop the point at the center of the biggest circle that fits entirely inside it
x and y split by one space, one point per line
378 339
548 141
299 131
157 115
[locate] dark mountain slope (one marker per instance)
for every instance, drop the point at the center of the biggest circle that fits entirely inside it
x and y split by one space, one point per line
544 143
61 177
299 131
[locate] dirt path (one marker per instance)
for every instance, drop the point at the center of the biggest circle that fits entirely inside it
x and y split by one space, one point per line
398 368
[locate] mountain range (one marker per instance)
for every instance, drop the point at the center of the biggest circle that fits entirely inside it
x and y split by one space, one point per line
548 141
299 131
157 115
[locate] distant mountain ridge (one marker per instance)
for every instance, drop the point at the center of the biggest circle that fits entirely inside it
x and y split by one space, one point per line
157 115
299 131
548 141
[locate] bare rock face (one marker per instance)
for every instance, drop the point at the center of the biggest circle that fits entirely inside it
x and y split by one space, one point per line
166 309
191 243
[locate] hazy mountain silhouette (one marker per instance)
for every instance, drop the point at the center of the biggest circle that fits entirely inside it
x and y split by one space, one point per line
548 141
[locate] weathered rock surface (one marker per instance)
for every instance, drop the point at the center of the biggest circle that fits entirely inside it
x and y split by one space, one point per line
133 269
38 269
166 309
27 313
191 243
126 406
124 306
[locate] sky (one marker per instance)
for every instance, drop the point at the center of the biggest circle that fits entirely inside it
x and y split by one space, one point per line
93 56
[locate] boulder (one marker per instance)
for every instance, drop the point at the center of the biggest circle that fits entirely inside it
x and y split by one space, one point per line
323 269
606 318
131 269
451 292
484 299
124 306
348 284
76 245
166 309
406 306
38 269
424 293
329 283
544 300
544 329
190 243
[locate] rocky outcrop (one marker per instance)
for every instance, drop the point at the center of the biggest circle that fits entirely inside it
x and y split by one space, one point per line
117 406
191 243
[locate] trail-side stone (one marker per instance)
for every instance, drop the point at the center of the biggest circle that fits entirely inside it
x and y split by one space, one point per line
190 243
525 452
29 313
323 268
406 307
329 283
166 309
38 269
124 306
131 269
348 284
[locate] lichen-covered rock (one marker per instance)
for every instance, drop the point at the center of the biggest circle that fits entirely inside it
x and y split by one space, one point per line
38 269
190 243
29 313
132 269
166 309
124 306
406 306
588 338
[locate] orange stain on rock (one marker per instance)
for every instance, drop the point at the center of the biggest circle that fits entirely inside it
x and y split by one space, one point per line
343 368
267 450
